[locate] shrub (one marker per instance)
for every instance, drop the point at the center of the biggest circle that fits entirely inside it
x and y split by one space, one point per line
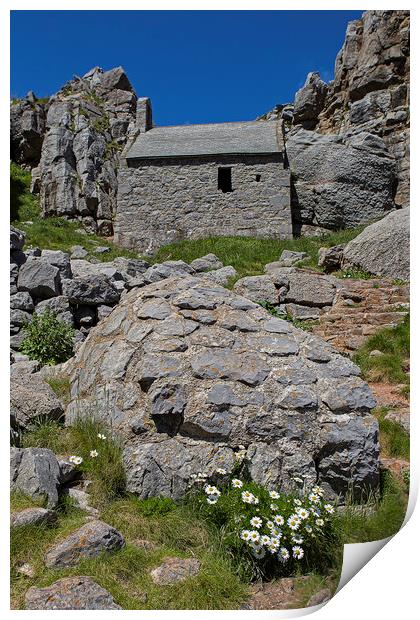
265 532
48 339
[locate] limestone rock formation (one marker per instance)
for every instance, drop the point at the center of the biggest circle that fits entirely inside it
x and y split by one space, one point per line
187 371
31 399
73 143
383 248
27 128
70 593
339 181
35 472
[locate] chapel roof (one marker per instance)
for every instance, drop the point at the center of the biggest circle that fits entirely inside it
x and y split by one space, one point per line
248 137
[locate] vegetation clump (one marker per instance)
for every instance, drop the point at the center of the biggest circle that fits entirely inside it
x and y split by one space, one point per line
48 339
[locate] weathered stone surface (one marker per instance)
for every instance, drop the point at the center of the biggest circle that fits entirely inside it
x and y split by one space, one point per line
370 90
31 516
24 367
309 101
258 288
78 252
340 181
167 269
27 126
31 398
21 301
58 259
330 259
310 289
39 278
17 239
218 372
35 472
221 276
89 541
173 570
59 305
299 312
207 262
91 290
289 258
70 593
383 248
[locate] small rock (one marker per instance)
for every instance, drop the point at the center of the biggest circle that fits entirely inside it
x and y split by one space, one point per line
77 251
173 570
289 258
26 569
31 516
319 597
35 472
102 249
70 593
89 541
207 262
330 258
376 353
32 398
82 499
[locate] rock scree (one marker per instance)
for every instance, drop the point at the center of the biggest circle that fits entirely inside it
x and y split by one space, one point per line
187 372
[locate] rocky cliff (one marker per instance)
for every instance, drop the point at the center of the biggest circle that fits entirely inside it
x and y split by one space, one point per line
365 107
72 143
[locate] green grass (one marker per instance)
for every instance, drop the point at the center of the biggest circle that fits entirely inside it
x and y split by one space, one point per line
394 343
61 387
53 233
20 501
249 255
106 470
394 440
126 573
376 519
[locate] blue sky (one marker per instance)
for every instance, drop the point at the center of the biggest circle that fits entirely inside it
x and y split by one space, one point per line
197 66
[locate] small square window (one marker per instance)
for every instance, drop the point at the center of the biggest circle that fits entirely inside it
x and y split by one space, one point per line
224 179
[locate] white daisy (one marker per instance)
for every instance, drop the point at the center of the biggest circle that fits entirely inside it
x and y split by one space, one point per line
221 471
256 522
247 497
308 529
319 522
101 436
273 507
77 460
278 520
270 525
297 539
93 453
265 540
254 536
245 535
293 522
284 555
258 552
302 513
314 498
298 552
277 533
318 491
210 490
329 509
274 545
237 484
274 495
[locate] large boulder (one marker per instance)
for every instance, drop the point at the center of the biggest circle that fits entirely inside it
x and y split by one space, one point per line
70 593
186 371
36 473
340 181
39 278
31 399
309 101
383 248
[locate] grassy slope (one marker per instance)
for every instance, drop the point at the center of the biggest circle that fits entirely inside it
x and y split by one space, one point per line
249 255
54 233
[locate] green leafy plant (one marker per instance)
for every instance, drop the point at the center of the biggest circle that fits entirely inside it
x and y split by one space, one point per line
272 309
48 339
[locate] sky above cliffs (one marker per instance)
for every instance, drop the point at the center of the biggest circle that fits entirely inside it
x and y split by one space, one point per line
197 66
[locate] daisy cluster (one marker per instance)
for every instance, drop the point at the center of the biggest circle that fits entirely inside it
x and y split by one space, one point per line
274 524
78 460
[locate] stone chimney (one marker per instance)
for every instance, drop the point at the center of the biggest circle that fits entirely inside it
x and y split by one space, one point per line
144 114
